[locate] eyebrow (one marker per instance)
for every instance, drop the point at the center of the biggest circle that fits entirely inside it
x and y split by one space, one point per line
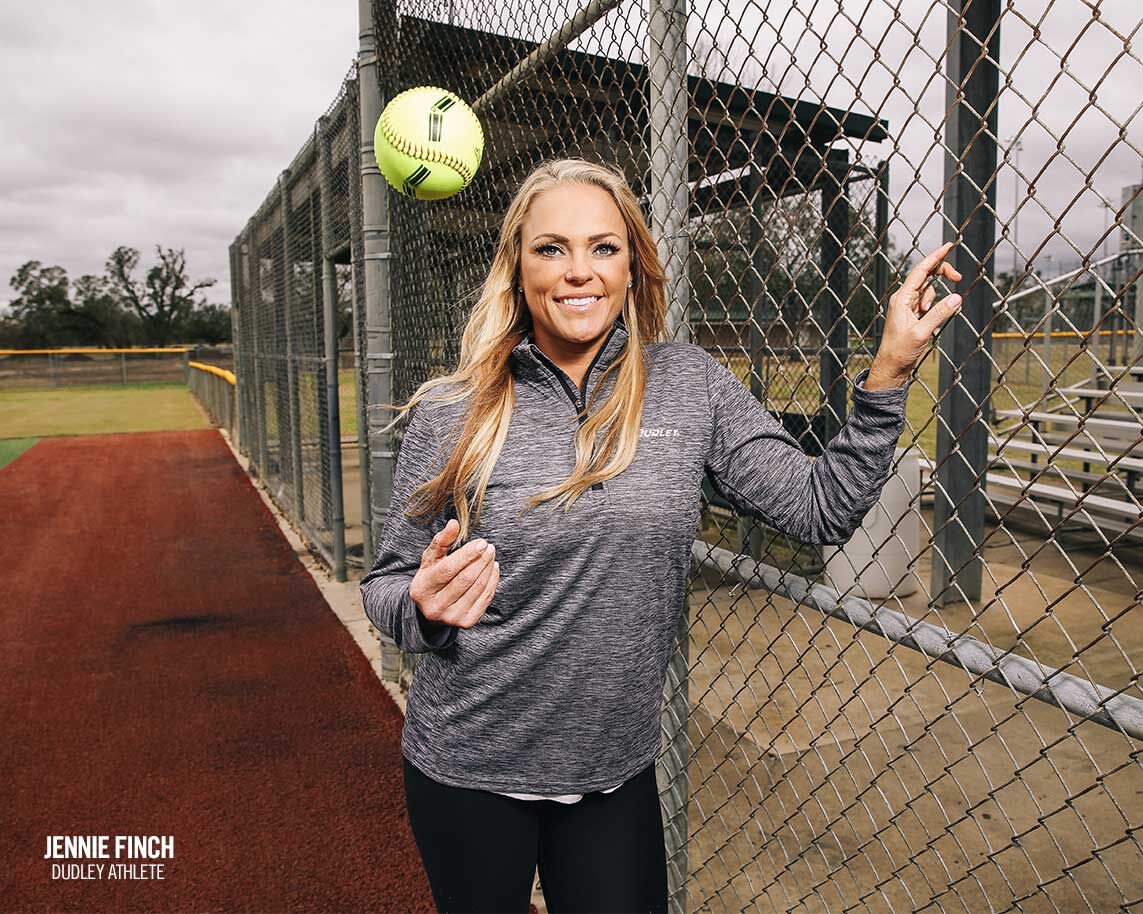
562 238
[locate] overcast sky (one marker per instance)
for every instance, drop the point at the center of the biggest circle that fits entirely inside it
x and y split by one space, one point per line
140 123
145 123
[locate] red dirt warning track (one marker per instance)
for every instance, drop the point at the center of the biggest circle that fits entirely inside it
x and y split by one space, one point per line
170 668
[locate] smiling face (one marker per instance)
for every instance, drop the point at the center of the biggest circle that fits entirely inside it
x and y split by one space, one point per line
574 266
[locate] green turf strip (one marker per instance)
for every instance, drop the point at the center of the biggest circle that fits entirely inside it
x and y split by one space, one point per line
11 448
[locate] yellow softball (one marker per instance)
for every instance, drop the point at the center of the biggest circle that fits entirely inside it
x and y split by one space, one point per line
428 143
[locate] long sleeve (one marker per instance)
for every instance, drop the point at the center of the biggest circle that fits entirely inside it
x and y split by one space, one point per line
385 589
759 468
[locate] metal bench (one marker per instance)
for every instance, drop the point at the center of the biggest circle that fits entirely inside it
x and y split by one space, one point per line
1122 436
1098 512
1108 441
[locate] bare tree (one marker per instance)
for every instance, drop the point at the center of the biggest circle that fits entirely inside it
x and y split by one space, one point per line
165 298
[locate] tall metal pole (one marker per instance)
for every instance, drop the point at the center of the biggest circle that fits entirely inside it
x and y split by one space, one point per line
835 268
235 426
881 264
969 207
358 268
260 445
378 327
748 536
669 100
294 409
330 328
1016 213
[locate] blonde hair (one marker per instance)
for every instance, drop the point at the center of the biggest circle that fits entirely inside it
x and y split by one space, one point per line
500 320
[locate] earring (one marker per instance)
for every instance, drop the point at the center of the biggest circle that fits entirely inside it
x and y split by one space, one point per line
629 283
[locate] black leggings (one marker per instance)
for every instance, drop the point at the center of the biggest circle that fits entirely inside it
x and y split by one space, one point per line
480 849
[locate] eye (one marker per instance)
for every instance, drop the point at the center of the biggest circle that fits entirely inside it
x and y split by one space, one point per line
544 249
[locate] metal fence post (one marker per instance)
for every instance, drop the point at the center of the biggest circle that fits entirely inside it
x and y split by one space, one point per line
378 329
238 415
881 264
835 268
969 207
748 528
359 361
260 446
329 324
668 101
294 431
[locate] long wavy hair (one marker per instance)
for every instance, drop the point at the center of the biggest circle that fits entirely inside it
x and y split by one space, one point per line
500 320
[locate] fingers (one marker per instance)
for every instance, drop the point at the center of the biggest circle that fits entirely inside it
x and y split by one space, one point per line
927 298
918 274
929 264
939 313
439 545
480 601
465 606
449 583
473 580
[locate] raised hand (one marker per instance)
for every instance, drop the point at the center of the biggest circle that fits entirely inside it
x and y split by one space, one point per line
455 589
912 320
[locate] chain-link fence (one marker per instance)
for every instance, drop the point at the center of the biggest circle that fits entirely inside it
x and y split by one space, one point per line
91 365
845 729
818 758
292 285
214 388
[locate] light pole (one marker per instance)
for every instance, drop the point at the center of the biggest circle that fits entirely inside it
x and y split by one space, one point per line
1019 144
1106 225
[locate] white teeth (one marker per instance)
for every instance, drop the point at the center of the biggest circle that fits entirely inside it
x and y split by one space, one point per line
580 301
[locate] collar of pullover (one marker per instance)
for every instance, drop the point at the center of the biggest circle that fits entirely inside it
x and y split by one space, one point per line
531 363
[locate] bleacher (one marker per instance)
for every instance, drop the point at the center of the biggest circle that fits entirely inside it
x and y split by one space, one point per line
1077 458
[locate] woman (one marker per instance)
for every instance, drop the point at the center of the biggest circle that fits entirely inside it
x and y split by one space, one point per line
576 439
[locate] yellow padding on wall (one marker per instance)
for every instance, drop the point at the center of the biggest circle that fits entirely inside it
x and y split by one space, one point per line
95 349
227 376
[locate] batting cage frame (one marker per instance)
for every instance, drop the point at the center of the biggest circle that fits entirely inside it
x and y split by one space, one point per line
844 727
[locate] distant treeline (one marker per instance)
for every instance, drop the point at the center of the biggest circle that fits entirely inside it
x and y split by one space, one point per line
117 308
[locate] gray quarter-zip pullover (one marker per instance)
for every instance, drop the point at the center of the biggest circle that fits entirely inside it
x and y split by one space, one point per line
557 688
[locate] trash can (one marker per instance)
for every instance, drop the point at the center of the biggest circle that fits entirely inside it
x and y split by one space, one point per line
854 568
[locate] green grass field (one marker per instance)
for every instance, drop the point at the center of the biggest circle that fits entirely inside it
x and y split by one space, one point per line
98 410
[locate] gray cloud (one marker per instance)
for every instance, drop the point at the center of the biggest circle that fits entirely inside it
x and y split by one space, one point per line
144 122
